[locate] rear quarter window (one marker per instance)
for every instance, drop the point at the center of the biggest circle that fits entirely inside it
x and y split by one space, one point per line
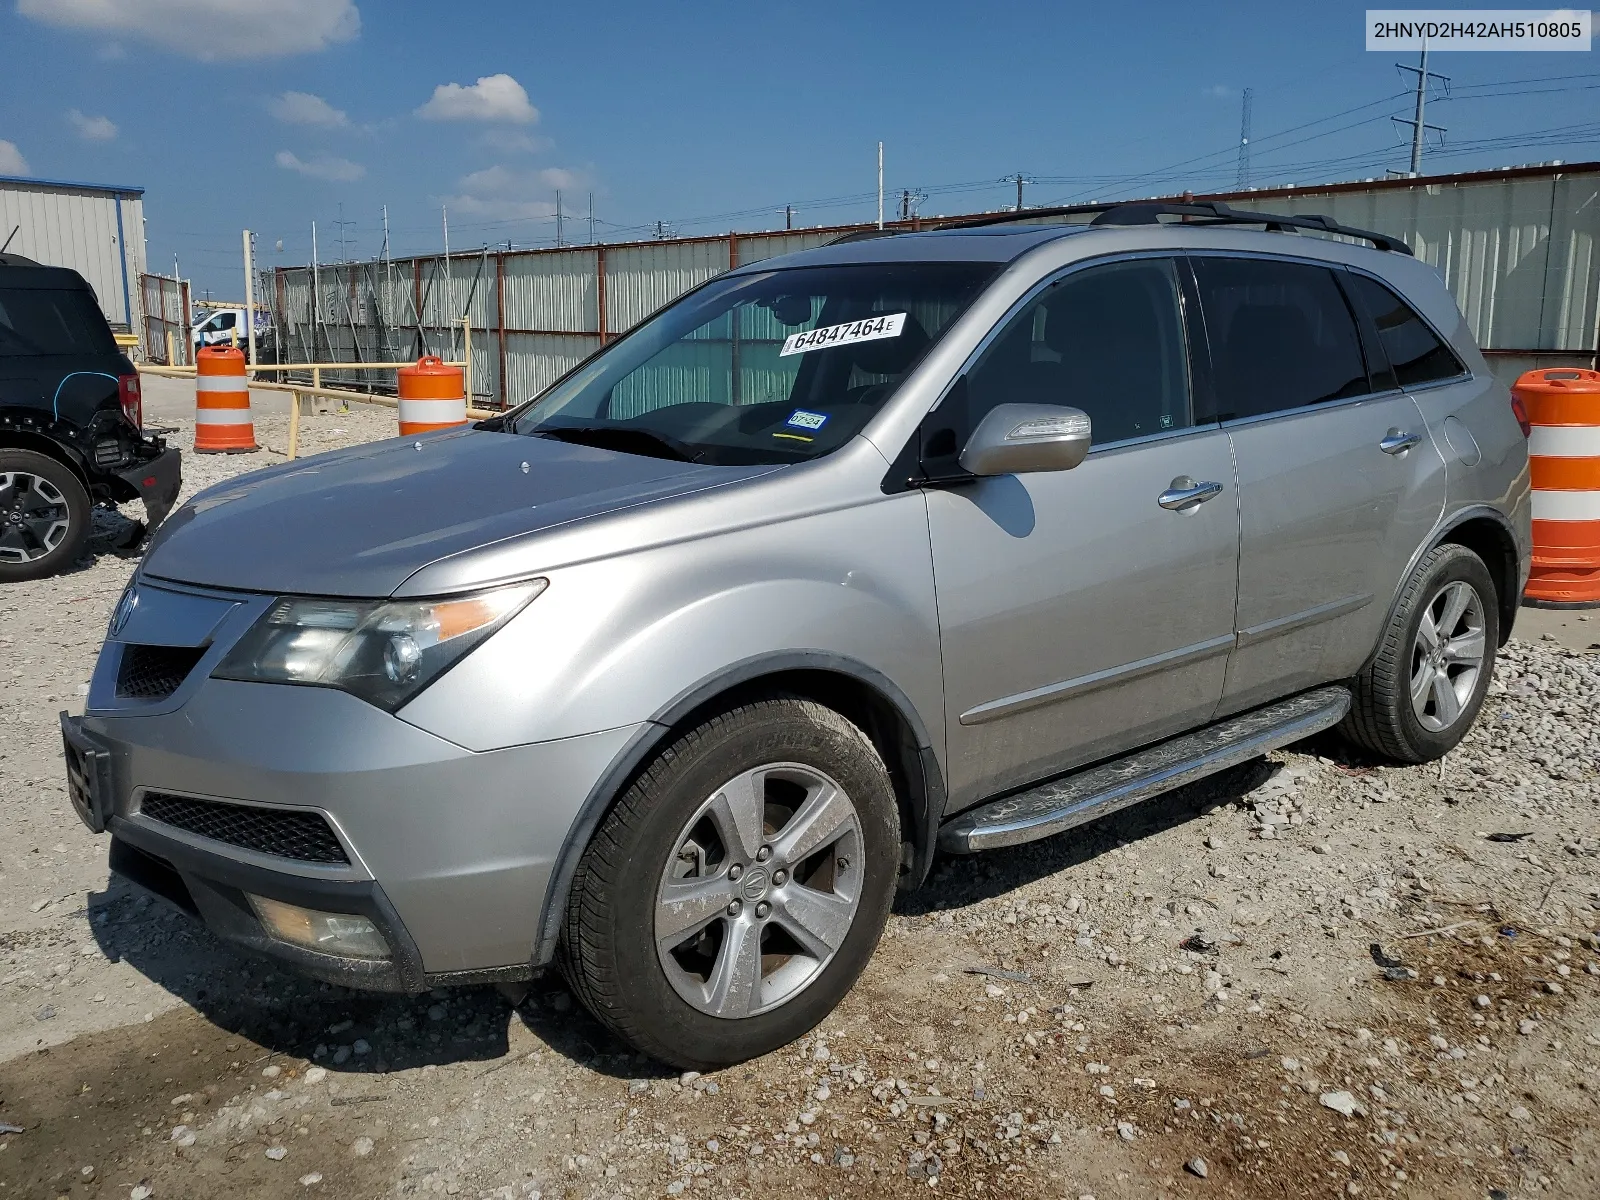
40 321
1417 354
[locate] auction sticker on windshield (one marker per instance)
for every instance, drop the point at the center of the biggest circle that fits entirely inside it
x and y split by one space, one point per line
868 329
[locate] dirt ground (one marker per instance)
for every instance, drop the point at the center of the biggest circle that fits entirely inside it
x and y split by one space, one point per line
1312 976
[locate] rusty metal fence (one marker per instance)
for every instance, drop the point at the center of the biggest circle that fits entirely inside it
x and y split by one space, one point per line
1518 248
164 335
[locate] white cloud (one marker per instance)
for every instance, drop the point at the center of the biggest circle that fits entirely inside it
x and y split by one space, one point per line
11 160
503 181
502 193
209 29
303 108
111 52
1218 91
492 98
323 166
92 129
514 141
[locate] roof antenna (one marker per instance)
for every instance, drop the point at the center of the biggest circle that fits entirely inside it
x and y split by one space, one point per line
7 246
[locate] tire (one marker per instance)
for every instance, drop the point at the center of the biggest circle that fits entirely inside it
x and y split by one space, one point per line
688 1004
1384 718
44 516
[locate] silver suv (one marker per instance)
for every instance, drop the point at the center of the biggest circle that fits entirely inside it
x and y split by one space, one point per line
913 544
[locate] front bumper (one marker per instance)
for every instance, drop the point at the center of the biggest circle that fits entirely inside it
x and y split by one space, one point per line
449 851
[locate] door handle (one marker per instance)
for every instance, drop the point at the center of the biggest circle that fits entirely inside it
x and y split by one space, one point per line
1398 441
1184 495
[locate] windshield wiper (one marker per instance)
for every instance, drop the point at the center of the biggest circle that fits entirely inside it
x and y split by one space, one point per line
629 441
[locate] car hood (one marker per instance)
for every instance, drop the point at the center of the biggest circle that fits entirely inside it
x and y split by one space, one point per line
358 522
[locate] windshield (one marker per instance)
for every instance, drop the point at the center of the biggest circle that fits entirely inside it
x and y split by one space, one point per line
776 367
37 321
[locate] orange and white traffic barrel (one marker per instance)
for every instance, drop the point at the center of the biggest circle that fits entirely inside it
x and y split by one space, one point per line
1563 407
222 423
432 396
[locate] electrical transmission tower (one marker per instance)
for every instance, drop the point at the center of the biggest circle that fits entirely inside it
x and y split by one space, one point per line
1418 127
1243 181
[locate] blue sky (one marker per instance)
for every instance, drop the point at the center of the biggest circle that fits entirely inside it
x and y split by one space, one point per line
710 116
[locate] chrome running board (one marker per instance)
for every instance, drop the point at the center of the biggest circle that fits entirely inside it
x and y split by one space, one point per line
1061 804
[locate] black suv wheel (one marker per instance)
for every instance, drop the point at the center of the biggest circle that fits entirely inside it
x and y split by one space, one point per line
1420 694
44 515
731 897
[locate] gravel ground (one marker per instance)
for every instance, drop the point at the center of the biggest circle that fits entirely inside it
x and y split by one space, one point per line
1310 977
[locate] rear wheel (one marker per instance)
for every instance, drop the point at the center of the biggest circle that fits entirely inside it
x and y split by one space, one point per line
735 892
1421 693
44 515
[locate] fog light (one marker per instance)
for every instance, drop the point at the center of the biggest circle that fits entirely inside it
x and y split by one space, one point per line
344 934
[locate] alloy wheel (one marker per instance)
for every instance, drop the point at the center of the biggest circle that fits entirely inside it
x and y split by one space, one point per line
761 890
1447 656
34 517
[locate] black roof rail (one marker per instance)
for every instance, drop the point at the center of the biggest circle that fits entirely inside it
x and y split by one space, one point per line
861 235
1215 212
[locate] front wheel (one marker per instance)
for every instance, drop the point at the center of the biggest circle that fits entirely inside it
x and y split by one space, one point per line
1420 694
44 516
735 892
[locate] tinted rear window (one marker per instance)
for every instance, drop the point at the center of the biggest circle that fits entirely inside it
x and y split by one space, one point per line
52 321
1415 351
1281 335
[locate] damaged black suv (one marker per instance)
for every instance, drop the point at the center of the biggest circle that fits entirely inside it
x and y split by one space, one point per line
71 421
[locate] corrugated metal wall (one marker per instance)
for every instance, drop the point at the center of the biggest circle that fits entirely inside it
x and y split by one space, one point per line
1517 250
164 331
1519 254
77 226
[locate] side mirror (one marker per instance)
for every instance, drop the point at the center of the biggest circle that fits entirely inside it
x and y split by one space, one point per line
1017 438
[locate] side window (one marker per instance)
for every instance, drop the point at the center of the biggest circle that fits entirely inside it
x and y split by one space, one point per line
1414 350
224 321
1281 335
1108 340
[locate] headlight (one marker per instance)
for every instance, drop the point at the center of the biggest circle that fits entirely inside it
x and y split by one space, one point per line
384 651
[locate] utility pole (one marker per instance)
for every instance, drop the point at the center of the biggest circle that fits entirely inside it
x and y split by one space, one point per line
1019 179
449 291
1243 179
250 294
661 232
1418 128
558 216
316 302
591 220
788 216
341 223
880 185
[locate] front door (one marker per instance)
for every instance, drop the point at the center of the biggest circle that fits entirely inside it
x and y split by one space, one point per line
1339 480
1079 617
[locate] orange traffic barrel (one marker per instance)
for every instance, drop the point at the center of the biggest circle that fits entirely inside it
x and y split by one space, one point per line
432 396
222 423
1563 407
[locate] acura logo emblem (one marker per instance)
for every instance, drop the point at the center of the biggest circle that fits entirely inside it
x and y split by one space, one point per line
124 610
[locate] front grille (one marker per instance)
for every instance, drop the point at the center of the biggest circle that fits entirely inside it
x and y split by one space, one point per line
284 832
155 672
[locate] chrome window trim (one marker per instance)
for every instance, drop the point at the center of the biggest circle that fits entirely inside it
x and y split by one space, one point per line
1320 406
1051 280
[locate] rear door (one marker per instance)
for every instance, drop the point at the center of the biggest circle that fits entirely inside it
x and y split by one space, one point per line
1339 480
1084 612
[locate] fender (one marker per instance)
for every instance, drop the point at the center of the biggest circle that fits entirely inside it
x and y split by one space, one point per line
927 794
1439 534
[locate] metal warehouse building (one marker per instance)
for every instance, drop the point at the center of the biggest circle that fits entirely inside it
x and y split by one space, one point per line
96 229
1517 248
